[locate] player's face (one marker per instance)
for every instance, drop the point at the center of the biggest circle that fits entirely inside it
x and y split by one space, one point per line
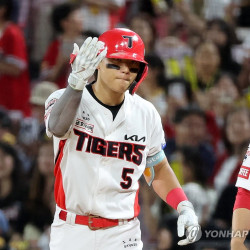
74 22
118 74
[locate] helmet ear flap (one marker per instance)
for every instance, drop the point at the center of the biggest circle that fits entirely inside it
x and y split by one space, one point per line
132 86
139 78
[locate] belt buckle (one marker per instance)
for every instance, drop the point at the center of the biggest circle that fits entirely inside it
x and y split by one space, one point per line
90 221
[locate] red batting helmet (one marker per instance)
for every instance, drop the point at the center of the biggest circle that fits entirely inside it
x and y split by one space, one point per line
126 44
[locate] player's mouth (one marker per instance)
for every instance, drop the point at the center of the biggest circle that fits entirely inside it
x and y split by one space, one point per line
124 78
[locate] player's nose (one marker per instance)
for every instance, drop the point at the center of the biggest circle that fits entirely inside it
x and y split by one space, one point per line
124 67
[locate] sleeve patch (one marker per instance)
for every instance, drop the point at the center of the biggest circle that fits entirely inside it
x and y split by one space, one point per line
155 159
151 162
50 103
244 172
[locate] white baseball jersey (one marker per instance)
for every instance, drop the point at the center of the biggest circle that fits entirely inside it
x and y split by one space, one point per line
99 161
244 173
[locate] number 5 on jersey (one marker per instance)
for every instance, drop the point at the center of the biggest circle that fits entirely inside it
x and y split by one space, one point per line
126 172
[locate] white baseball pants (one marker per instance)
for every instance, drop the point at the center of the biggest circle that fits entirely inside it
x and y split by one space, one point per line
66 235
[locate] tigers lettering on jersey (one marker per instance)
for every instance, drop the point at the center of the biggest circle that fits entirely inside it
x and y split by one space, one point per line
244 172
121 150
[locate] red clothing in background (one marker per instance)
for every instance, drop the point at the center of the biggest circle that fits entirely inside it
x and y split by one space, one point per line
50 59
14 90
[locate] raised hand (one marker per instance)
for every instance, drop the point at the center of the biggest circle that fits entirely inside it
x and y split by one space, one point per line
84 61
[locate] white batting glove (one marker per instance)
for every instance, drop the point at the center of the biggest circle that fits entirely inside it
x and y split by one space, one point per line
84 62
188 221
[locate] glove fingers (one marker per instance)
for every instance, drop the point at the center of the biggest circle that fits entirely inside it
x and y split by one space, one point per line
94 52
183 242
91 64
89 52
92 55
99 47
99 58
76 49
182 220
193 233
85 45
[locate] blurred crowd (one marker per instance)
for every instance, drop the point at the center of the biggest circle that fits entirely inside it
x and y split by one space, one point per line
198 53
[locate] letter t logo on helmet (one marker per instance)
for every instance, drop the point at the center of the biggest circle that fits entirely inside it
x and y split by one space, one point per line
126 44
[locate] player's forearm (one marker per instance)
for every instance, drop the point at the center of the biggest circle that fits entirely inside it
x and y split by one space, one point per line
165 179
64 111
241 219
240 227
237 244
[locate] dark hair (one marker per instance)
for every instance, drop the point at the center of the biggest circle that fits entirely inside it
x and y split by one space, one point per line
225 50
8 5
148 19
155 62
5 121
235 110
182 113
60 13
195 162
17 174
180 80
91 33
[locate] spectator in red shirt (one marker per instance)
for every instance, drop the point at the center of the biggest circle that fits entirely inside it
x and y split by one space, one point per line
67 22
14 77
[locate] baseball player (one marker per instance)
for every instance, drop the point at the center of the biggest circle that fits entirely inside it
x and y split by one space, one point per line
105 138
241 213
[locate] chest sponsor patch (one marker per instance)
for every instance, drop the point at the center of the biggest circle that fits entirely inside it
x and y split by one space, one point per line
50 103
85 126
244 172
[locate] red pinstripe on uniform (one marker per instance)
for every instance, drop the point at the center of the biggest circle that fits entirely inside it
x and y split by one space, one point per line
136 204
58 189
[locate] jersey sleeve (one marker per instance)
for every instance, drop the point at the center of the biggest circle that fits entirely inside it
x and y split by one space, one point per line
157 140
243 179
49 104
242 199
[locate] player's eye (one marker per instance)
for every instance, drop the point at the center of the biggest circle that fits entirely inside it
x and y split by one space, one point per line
112 66
134 70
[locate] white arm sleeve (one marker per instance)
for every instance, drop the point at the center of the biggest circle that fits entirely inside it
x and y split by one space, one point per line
50 102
